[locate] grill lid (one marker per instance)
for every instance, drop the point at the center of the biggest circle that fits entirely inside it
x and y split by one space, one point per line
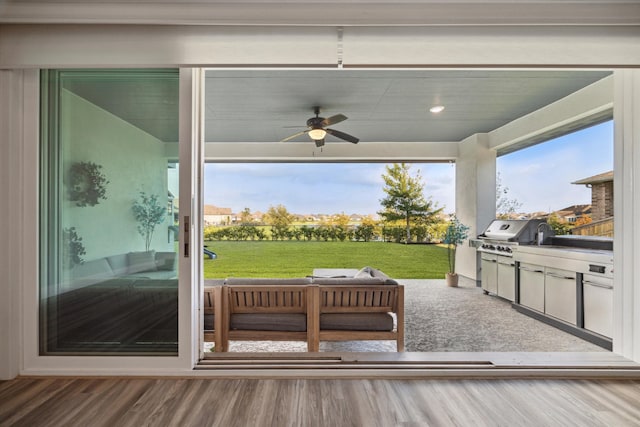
523 231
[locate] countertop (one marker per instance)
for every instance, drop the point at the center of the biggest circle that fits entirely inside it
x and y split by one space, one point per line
584 254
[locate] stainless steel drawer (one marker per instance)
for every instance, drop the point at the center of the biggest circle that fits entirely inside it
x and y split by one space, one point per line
598 304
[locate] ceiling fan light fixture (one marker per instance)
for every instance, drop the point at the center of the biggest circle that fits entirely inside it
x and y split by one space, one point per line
317 134
437 109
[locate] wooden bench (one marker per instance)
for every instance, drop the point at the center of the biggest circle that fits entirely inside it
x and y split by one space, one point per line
267 313
310 313
349 313
212 304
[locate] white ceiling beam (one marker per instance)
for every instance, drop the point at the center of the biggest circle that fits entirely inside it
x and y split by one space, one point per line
109 46
323 12
387 152
46 46
590 105
487 46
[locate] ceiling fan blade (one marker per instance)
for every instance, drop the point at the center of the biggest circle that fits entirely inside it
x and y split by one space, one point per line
319 142
289 138
334 119
343 135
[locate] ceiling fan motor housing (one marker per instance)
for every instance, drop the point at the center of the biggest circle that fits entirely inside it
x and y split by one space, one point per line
315 122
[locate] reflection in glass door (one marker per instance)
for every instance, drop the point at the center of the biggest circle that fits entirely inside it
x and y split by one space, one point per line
109 212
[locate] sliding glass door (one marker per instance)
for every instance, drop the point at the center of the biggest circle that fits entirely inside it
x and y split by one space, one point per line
109 212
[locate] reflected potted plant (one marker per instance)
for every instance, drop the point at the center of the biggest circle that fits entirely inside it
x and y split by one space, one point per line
455 235
73 247
149 213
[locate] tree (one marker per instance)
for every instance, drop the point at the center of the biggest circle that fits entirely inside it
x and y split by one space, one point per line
559 225
279 219
405 199
307 232
149 213
245 217
366 230
504 205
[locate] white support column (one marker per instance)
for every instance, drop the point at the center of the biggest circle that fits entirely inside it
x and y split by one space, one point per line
626 116
11 107
475 197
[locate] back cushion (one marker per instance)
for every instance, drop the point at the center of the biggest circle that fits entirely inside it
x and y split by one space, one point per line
333 281
374 272
235 281
119 264
166 261
141 261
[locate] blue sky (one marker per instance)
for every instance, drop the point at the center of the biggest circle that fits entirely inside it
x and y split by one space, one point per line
539 177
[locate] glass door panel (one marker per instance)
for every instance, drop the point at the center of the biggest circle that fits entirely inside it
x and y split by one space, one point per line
109 212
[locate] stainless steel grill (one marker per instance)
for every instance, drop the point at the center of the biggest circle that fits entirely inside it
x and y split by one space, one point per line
502 234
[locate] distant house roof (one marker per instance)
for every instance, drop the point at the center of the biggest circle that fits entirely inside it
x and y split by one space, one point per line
575 210
596 179
215 210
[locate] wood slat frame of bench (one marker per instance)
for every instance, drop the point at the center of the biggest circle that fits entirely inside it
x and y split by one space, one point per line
311 300
273 299
212 304
360 299
363 299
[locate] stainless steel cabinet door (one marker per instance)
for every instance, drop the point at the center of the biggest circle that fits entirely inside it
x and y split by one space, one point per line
560 294
506 278
532 286
598 305
489 273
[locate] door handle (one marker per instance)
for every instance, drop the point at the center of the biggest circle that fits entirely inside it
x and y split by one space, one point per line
185 240
530 270
559 276
598 285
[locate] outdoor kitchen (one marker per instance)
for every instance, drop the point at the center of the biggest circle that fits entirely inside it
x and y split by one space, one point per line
565 281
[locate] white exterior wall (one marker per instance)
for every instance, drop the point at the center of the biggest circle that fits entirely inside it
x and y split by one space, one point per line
475 197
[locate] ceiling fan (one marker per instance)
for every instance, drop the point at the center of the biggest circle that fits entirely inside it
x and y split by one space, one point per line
318 130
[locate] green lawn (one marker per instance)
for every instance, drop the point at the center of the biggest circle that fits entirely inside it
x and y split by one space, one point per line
298 259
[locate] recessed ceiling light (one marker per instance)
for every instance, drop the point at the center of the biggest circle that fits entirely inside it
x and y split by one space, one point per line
437 109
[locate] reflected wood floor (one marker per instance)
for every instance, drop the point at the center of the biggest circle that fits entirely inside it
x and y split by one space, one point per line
307 402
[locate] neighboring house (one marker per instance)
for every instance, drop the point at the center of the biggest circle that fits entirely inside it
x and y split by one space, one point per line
572 213
601 194
214 215
602 206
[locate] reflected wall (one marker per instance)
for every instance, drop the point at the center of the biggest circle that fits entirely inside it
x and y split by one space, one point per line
109 212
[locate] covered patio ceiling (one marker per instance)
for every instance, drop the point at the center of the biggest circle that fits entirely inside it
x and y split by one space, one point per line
381 105
264 106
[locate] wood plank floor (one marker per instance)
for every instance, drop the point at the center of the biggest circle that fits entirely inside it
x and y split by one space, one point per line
279 402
